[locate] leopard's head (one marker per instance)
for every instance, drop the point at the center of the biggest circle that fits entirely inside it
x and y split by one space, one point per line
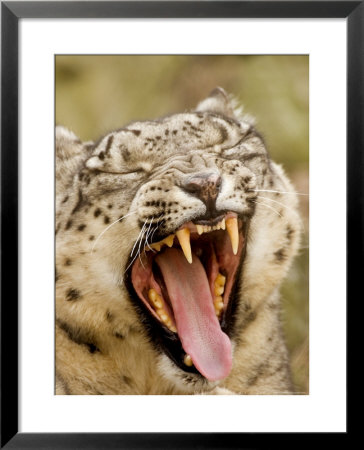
182 231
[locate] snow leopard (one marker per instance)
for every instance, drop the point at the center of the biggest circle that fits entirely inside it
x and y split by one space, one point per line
173 236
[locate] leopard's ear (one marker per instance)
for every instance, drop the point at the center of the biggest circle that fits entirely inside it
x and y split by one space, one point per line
70 155
218 101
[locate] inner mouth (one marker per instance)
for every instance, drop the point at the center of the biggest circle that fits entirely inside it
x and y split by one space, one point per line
185 286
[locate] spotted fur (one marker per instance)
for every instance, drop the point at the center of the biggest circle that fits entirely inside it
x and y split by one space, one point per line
105 193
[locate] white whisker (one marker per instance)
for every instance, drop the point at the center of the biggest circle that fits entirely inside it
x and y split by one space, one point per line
108 227
147 235
135 244
264 204
140 243
279 192
285 206
136 255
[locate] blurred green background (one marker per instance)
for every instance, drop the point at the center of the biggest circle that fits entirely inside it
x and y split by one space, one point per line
95 94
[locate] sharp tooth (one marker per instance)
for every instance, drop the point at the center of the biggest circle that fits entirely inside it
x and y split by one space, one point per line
162 314
188 360
218 304
219 290
199 229
222 224
169 240
156 246
220 280
155 298
232 229
152 294
173 328
184 240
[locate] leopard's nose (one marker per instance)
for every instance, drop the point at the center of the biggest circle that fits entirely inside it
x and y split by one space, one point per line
205 186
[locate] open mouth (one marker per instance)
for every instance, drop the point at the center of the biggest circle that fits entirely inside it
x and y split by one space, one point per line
184 286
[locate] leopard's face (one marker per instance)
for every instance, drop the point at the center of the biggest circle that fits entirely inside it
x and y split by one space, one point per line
172 209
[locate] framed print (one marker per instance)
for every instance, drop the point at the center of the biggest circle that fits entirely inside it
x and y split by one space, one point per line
165 183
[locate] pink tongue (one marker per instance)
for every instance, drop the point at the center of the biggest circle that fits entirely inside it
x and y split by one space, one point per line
197 324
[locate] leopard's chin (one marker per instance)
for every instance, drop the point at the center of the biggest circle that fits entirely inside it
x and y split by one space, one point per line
183 285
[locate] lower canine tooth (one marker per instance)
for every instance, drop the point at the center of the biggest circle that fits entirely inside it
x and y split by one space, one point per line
184 240
188 361
222 224
232 229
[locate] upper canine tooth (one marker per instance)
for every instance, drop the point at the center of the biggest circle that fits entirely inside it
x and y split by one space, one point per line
222 224
184 240
199 229
232 229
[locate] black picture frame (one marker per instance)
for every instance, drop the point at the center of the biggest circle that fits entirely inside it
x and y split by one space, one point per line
11 12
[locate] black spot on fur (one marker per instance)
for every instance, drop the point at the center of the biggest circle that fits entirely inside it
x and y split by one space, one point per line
91 238
65 199
127 380
97 212
289 233
68 225
72 294
77 336
109 316
109 144
110 206
223 133
102 156
280 255
118 335
106 219
68 262
253 155
63 383
80 202
81 227
126 154
260 370
92 348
